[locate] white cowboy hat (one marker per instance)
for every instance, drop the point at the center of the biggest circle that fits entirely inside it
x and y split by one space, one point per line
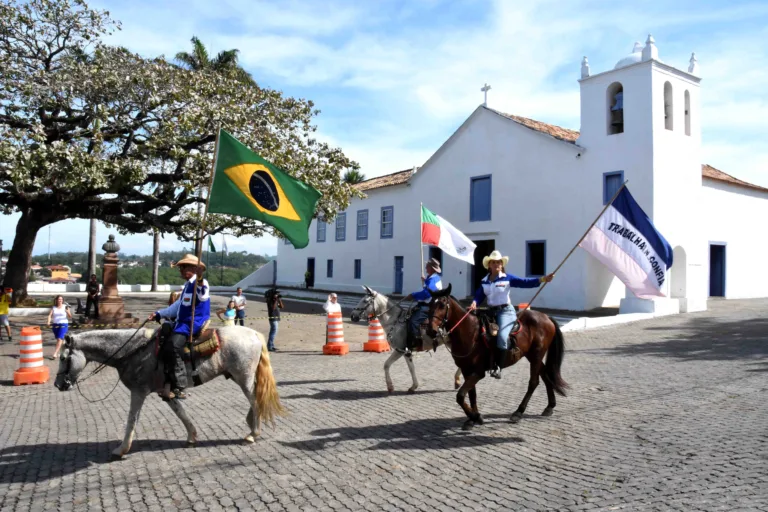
495 256
190 259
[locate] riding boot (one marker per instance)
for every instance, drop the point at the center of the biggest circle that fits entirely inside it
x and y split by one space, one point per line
498 360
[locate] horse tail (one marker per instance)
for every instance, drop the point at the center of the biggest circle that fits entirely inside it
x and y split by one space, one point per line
555 360
265 390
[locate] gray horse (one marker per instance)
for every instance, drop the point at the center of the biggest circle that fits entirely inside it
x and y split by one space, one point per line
243 357
392 318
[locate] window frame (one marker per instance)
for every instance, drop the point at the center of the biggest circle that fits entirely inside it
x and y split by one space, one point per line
341 215
606 175
358 269
528 257
358 225
322 223
329 269
391 222
472 197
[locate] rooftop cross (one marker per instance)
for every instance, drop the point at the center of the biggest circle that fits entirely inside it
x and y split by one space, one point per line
485 90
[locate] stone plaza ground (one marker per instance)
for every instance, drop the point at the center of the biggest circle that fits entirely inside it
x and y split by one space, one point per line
665 414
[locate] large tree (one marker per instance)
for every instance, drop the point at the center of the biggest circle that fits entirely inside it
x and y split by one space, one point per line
129 140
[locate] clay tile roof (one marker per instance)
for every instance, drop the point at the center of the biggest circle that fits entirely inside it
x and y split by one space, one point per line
557 132
396 178
710 172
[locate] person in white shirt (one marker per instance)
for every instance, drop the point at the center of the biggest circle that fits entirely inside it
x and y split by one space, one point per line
496 287
58 319
332 305
240 302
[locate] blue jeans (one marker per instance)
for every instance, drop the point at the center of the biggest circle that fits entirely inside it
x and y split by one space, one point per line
239 317
505 319
272 333
419 315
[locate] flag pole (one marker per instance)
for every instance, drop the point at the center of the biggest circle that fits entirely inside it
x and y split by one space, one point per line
221 265
421 242
609 203
202 228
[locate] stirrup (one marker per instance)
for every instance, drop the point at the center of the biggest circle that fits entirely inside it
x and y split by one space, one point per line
170 396
495 372
181 395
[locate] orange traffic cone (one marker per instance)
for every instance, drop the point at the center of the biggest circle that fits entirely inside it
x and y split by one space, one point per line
377 340
31 368
334 344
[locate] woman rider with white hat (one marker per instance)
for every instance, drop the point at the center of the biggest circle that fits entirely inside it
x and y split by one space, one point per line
496 287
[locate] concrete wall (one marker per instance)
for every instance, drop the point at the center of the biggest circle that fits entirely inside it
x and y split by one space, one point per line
41 287
264 276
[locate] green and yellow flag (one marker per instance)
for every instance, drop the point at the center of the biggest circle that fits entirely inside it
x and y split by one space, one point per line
246 185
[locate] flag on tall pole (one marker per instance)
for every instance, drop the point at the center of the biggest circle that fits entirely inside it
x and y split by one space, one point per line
247 185
625 240
224 244
437 231
211 247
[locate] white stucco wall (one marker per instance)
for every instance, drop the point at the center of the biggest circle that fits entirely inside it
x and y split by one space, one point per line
734 215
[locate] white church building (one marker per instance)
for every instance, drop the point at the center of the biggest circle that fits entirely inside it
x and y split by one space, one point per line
531 189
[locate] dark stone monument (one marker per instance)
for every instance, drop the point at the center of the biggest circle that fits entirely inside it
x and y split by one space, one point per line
111 309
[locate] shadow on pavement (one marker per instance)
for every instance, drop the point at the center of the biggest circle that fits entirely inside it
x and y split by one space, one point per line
426 434
352 394
705 339
302 382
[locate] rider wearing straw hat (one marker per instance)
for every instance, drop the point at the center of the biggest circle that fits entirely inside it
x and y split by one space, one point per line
191 270
496 287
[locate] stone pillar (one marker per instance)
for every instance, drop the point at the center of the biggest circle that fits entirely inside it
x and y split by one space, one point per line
111 308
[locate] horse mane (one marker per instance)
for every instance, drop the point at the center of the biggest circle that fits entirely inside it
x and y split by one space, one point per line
445 292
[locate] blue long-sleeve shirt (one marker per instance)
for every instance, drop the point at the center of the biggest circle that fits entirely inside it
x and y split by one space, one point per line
182 308
497 291
433 283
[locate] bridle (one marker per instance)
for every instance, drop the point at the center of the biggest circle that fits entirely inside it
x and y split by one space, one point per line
444 333
372 302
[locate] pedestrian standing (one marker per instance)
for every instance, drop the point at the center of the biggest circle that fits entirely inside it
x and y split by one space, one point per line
59 318
274 305
240 302
93 288
5 304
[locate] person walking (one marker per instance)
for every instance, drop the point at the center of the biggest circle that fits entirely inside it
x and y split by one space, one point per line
240 303
93 288
5 305
58 319
274 305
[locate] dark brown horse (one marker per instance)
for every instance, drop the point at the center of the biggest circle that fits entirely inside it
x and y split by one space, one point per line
539 335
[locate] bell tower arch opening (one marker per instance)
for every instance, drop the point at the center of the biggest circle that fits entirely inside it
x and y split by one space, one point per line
615 108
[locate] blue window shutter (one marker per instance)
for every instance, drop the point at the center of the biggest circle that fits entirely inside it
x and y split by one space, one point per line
320 230
329 269
387 221
341 227
612 181
480 199
362 224
358 268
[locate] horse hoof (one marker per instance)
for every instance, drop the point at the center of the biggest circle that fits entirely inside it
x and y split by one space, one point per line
249 439
479 420
456 385
548 411
411 391
116 455
468 425
516 417
390 390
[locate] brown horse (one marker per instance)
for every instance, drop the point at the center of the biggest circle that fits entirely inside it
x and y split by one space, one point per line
539 334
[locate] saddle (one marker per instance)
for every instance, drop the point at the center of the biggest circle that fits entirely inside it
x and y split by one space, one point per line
490 329
206 342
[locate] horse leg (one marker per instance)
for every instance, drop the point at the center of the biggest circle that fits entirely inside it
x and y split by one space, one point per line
137 400
391 359
253 413
469 384
182 414
473 404
457 379
412 369
532 383
550 395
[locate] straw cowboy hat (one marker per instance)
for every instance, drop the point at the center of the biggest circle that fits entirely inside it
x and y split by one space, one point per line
435 265
495 256
190 259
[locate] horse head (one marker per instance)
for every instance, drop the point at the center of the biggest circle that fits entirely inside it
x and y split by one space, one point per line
365 305
71 363
439 309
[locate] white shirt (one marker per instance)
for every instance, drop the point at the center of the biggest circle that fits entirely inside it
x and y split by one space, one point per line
497 291
59 315
239 301
330 307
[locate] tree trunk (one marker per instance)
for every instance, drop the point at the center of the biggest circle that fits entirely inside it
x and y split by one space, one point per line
92 251
20 257
155 260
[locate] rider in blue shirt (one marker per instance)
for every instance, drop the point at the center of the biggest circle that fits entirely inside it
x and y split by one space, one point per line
420 312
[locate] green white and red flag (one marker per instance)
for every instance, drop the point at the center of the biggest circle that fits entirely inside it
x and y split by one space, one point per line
437 231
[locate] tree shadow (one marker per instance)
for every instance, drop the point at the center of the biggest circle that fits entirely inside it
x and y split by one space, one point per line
41 462
705 339
353 394
426 434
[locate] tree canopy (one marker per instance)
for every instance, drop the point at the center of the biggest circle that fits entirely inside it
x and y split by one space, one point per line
89 130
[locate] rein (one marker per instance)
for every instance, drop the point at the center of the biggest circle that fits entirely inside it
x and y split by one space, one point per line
444 335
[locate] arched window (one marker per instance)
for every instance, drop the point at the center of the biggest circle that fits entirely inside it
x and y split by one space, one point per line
615 108
668 110
687 113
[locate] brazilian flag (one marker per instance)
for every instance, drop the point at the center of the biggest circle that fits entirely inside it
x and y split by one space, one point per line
246 185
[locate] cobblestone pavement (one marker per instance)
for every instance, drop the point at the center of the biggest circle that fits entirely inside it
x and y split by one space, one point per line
668 414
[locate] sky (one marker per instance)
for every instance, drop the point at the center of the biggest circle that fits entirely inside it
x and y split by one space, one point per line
394 78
